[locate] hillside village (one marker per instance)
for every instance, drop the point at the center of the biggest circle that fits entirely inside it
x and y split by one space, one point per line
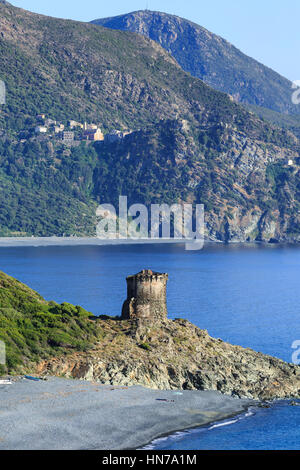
71 134
74 133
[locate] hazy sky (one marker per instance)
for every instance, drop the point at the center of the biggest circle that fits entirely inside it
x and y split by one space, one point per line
267 30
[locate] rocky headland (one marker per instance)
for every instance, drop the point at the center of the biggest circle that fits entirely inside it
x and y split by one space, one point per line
177 355
140 375
144 348
141 347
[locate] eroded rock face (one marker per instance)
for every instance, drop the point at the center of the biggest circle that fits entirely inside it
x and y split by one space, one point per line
177 355
210 58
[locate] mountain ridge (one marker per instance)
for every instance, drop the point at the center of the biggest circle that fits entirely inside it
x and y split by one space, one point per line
211 58
189 142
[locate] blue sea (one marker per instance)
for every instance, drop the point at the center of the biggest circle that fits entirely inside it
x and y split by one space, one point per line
246 295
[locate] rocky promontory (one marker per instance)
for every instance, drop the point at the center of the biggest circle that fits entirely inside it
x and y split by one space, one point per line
144 348
177 355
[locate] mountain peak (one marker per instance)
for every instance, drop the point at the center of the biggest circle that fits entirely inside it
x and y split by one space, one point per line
211 58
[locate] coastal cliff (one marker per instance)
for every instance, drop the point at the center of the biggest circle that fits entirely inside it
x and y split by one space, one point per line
143 347
177 355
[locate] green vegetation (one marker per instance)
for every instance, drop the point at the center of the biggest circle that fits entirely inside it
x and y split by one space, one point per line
191 143
33 329
145 346
285 121
72 70
43 192
46 192
285 188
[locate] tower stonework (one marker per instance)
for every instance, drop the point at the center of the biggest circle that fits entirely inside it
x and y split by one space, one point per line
146 296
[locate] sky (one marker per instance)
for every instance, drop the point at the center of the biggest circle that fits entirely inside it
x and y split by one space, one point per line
267 30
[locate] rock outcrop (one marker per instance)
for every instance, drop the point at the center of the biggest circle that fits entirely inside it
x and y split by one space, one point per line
144 348
51 339
177 355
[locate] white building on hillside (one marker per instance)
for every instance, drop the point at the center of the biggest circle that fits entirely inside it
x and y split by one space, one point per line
41 130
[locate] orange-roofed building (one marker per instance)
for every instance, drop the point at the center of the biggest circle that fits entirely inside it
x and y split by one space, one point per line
93 134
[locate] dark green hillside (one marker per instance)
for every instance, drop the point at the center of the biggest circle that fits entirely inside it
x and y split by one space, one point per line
285 121
44 192
68 69
189 142
33 329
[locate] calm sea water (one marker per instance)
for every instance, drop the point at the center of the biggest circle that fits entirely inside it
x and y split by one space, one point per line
245 295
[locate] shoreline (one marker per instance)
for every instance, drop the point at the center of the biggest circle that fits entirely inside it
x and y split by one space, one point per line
62 414
83 241
13 242
221 422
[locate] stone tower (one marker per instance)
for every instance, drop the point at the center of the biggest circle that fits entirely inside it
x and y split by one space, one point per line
146 296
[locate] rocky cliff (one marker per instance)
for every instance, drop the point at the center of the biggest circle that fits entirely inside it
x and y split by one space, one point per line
47 338
177 355
211 58
249 190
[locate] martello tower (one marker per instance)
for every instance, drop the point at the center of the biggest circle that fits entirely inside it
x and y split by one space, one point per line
146 296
